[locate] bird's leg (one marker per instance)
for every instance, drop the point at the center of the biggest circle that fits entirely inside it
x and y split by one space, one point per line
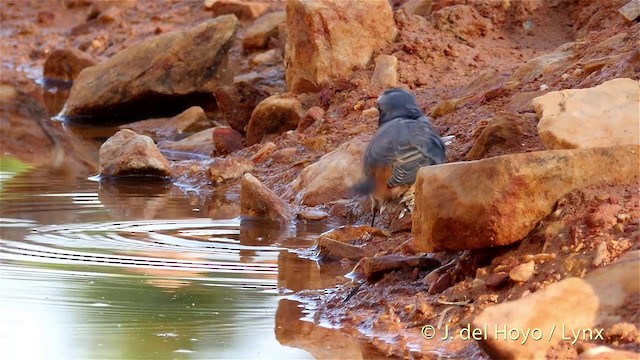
373 210
408 200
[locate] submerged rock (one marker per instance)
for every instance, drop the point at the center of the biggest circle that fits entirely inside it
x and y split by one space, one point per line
127 153
66 64
572 304
258 200
605 115
498 201
327 39
264 28
274 115
151 76
331 177
237 101
191 120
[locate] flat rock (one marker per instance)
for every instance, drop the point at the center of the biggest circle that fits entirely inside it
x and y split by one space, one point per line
147 77
66 64
327 39
274 115
189 121
332 176
226 140
259 201
199 143
237 101
572 304
247 10
264 28
499 200
604 115
385 74
224 169
127 153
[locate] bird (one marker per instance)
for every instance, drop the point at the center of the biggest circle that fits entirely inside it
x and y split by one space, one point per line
404 142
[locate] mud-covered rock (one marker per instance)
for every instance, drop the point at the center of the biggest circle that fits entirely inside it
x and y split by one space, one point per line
191 120
237 101
274 115
385 74
331 177
259 201
572 304
199 143
224 169
502 129
66 64
152 75
264 28
226 140
323 36
499 200
247 10
127 153
604 115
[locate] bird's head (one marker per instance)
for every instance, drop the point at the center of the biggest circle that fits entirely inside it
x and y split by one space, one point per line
396 102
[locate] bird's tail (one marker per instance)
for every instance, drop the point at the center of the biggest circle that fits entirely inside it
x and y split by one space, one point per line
363 188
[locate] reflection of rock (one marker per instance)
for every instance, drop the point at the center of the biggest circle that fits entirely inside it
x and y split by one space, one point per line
296 273
151 76
571 304
127 153
322 343
163 276
126 199
497 201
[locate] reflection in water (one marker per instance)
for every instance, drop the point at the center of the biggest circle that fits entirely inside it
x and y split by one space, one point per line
112 270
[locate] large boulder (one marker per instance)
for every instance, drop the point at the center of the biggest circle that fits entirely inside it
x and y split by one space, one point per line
606 115
156 74
127 153
274 115
264 28
497 201
573 304
331 177
327 39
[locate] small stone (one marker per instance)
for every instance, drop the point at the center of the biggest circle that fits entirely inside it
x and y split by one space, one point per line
258 200
371 112
264 152
198 143
503 130
66 64
623 332
602 255
630 10
313 117
565 76
224 169
226 140
544 87
248 10
604 216
418 7
127 153
522 272
191 120
274 115
385 74
237 101
497 281
8 93
109 16
264 28
269 57
542 257
311 214
441 284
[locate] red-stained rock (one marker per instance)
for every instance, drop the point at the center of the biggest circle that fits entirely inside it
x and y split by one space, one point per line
226 140
127 153
259 201
237 101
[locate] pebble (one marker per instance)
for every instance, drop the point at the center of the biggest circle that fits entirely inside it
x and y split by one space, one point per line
522 272
497 281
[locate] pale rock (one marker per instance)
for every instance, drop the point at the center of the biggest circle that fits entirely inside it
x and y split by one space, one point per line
385 74
418 7
141 77
198 143
269 57
191 120
265 151
607 353
248 10
259 201
312 214
237 101
274 115
332 176
499 200
604 115
522 272
573 303
630 10
264 28
225 169
327 39
66 64
127 153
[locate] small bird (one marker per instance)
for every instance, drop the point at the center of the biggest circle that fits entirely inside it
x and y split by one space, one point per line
405 142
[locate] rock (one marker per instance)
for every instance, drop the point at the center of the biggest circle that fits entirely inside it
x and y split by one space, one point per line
522 272
462 20
497 280
385 74
269 57
337 250
226 140
361 233
504 128
541 65
110 15
224 169
264 28
497 201
311 214
264 152
442 283
602 255
247 10
191 120
258 200
604 216
571 304
151 76
630 10
313 116
605 115
448 106
322 36
237 101
274 115
331 177
606 353
198 143
102 6
418 7
623 332
8 93
66 64
127 153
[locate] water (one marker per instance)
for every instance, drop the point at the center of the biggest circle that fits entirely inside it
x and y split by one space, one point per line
117 270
